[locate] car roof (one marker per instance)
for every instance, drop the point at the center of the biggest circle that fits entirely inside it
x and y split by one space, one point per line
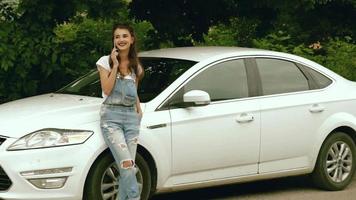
197 53
200 53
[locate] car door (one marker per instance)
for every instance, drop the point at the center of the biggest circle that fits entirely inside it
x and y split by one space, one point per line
219 140
290 115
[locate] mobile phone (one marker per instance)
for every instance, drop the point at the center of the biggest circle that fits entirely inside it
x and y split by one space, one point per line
115 47
118 55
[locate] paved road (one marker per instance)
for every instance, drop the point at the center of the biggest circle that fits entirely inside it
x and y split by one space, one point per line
292 188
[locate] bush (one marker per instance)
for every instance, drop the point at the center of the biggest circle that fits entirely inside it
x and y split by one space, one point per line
22 55
36 61
238 32
82 43
336 54
341 58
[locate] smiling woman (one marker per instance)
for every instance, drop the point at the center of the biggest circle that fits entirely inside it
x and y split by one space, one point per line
199 103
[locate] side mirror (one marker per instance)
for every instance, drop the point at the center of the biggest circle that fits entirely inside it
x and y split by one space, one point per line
196 98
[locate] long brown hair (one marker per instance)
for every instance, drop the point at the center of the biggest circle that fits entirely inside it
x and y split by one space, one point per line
134 62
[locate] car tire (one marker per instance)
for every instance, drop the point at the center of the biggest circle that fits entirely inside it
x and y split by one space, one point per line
98 175
336 162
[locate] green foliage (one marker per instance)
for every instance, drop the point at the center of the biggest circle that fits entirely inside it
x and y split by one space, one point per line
306 20
180 22
46 44
219 35
239 32
43 15
104 9
16 55
341 58
337 54
279 41
81 44
142 31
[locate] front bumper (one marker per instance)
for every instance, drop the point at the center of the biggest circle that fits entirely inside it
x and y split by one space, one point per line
16 185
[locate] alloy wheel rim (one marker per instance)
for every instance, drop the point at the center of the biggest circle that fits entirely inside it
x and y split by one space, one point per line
339 162
109 182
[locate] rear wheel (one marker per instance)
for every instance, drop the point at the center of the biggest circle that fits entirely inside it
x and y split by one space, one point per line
336 162
102 184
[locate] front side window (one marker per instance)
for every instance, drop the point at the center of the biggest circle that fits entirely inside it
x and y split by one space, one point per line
87 85
159 74
279 76
223 81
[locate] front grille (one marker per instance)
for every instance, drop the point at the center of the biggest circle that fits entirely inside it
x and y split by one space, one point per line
2 140
5 181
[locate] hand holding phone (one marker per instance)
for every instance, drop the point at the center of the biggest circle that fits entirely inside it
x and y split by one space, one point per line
115 57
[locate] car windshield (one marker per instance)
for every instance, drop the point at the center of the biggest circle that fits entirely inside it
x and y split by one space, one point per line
159 74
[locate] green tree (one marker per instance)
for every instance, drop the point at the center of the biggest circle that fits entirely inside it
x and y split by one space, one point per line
238 32
46 44
337 54
180 21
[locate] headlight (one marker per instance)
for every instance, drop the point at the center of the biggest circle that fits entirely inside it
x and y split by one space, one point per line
50 138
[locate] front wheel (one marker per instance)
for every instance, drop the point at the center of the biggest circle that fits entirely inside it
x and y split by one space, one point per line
102 183
336 162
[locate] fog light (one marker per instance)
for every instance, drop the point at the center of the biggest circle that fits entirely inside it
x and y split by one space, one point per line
47 171
49 183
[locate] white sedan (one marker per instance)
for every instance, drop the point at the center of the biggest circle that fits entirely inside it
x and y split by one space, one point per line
212 116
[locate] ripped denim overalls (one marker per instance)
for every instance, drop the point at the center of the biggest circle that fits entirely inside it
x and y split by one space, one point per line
120 128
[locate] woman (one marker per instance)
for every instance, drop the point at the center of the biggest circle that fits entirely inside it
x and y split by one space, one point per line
121 112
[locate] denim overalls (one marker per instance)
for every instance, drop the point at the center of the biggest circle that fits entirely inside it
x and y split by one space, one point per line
120 128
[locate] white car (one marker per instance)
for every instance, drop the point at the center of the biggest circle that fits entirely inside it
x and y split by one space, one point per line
212 116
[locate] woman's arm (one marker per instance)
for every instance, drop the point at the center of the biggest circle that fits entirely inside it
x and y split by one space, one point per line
107 79
138 105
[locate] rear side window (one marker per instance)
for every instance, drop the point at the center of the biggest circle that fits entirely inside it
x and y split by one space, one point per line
320 79
279 76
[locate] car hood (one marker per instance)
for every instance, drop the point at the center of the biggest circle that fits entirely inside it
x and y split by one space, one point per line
20 117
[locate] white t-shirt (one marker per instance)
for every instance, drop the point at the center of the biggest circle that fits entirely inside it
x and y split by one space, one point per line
103 62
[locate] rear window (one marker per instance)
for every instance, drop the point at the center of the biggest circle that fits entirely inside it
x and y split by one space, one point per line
279 76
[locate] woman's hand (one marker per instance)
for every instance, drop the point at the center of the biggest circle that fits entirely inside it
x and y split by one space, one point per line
139 113
113 56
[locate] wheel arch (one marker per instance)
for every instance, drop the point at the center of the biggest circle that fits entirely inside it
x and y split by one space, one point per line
335 179
346 129
140 150
151 164
340 122
92 167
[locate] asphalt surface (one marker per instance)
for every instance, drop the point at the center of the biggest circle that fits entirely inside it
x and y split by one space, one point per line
291 188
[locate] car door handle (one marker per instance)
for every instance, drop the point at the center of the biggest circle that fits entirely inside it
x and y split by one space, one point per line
316 108
244 118
156 126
